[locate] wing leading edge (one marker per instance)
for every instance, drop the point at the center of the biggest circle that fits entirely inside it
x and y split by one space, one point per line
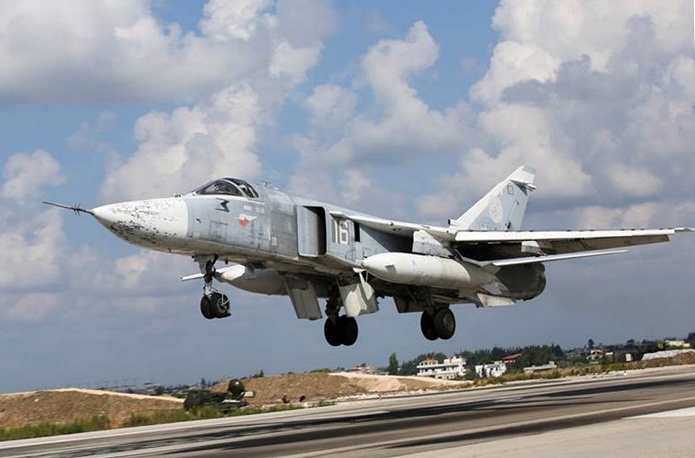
560 242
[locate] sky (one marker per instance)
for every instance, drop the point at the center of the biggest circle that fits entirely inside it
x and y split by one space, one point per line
408 110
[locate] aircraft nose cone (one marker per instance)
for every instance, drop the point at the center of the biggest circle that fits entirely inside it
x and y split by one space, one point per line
159 223
105 215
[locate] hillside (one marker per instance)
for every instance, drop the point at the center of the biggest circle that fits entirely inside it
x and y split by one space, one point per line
68 405
319 386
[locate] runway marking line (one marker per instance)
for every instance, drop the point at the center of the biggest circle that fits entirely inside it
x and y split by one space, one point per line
678 413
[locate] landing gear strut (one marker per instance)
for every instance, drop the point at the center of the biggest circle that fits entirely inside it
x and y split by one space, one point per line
213 304
438 325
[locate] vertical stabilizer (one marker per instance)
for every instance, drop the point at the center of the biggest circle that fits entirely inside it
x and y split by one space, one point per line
503 208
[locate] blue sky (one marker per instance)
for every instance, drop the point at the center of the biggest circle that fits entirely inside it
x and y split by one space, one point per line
406 109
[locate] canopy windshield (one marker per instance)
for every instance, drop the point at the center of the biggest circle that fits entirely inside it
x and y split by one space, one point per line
228 187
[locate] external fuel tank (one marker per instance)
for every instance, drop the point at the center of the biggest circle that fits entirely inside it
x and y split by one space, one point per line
422 270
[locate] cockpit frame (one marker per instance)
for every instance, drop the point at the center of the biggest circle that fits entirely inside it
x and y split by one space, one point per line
227 187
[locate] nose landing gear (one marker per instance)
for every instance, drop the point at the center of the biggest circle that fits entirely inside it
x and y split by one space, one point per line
213 304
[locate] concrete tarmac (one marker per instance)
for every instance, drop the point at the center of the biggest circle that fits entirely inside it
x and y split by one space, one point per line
644 413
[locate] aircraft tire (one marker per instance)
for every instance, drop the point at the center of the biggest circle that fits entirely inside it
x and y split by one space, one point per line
349 330
219 305
427 326
205 308
331 331
445 323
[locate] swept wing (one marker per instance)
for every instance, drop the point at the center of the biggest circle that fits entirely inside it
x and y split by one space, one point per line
548 245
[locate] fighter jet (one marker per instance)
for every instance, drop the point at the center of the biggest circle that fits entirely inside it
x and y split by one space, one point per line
277 243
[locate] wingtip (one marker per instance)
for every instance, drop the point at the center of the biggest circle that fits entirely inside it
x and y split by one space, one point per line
685 229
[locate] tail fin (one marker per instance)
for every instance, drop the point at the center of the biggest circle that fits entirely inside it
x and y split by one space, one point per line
503 208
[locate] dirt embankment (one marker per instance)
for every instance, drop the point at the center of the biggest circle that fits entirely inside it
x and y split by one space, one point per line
69 405
318 386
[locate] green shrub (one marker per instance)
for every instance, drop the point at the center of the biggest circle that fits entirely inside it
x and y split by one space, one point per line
322 370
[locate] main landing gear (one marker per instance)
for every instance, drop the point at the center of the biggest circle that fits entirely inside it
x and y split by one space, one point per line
213 304
439 324
339 330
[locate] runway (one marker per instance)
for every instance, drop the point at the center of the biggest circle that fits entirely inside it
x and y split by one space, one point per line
605 415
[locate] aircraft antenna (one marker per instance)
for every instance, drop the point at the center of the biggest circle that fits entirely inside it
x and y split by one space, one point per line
77 208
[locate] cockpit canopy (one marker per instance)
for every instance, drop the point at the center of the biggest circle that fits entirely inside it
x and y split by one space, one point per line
227 187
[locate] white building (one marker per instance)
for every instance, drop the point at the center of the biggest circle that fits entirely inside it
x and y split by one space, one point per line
491 370
546 367
671 342
449 369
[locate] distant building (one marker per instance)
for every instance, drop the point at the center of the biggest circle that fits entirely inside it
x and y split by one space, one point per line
594 354
670 342
546 367
449 369
495 369
362 369
510 359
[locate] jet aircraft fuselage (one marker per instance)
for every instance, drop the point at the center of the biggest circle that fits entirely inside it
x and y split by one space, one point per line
279 243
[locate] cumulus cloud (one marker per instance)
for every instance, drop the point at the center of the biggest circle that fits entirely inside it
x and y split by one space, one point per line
87 136
39 273
25 173
218 135
598 97
31 238
32 246
352 185
227 21
330 105
240 67
32 306
188 146
114 50
400 126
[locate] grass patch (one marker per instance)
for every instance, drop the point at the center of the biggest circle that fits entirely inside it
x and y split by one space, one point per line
160 417
98 423
157 417
257 410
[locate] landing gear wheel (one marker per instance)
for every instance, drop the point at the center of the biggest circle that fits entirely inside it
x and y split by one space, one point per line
444 323
332 332
427 326
219 305
350 331
205 308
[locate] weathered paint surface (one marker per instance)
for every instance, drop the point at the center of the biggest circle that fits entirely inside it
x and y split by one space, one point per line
159 224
